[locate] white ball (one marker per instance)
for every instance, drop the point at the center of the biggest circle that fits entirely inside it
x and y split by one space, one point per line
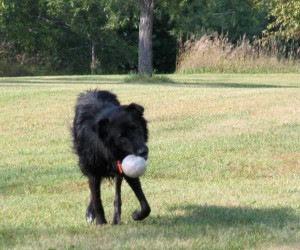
134 166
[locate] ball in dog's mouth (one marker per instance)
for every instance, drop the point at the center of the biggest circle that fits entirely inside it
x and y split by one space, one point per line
134 166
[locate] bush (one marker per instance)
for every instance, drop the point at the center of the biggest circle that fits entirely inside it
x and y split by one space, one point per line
137 78
13 69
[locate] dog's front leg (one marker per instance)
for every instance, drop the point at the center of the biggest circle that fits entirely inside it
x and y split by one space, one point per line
135 185
118 202
94 184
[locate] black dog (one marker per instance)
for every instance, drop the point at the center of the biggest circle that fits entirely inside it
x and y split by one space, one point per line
105 132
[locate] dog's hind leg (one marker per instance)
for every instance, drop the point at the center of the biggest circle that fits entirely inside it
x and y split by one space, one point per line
94 184
135 185
117 202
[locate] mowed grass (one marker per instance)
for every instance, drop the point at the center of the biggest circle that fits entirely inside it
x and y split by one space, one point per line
223 172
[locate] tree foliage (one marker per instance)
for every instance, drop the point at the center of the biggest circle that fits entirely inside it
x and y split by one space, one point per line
57 36
286 18
234 17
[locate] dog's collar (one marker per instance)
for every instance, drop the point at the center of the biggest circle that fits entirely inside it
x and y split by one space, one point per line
119 167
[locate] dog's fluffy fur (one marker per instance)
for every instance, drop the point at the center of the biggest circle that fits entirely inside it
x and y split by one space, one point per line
105 132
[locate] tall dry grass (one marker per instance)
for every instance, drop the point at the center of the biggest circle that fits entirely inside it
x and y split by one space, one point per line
215 53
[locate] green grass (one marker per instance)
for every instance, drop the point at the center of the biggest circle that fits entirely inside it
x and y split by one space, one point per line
223 171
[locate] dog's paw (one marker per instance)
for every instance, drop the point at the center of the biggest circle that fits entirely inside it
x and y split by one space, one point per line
136 215
116 220
89 218
101 222
90 215
140 215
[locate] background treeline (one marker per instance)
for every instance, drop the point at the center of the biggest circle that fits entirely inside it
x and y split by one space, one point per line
62 36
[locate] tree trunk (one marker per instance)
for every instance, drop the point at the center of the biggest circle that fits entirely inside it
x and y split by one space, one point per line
94 60
145 66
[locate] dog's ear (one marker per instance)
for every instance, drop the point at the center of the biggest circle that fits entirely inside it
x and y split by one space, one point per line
133 107
102 127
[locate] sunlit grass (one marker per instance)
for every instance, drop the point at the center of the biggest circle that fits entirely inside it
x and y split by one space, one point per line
223 171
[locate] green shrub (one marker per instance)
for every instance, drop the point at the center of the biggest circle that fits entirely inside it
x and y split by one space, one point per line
13 69
137 78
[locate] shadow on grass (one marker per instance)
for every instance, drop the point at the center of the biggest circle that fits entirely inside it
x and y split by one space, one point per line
243 226
68 80
236 85
228 216
112 80
232 227
221 85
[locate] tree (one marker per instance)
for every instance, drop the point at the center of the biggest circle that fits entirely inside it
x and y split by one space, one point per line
145 64
286 15
20 24
90 19
195 17
99 29
284 18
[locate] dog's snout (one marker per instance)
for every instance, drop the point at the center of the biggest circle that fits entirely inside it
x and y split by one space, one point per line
143 152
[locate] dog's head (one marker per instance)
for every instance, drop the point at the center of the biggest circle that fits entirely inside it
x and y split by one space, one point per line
124 131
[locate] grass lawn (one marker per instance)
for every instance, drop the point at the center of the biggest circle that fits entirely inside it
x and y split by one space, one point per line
223 172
